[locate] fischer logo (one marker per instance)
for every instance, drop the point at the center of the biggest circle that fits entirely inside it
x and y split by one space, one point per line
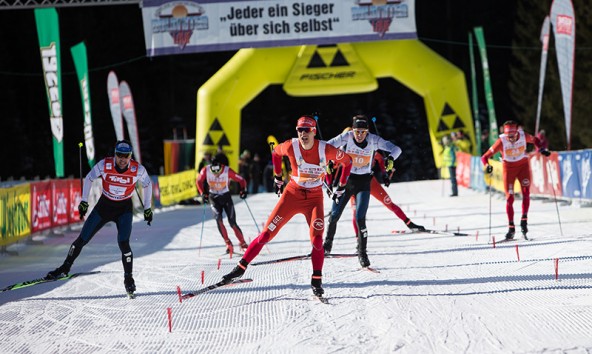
119 179
328 76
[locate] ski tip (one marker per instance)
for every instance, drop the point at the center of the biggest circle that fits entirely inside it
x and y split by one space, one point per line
131 295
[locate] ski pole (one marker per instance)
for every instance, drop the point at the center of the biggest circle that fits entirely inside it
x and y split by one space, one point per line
255 221
375 127
203 220
316 118
489 186
80 160
554 196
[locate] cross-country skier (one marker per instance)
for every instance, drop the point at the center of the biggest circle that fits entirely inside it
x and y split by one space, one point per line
217 193
302 195
361 146
512 145
120 175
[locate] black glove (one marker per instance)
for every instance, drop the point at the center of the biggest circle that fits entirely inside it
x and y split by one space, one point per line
205 197
389 164
82 208
489 169
242 193
545 152
338 193
279 185
148 215
386 179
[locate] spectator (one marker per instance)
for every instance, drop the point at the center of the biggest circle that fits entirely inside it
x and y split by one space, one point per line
207 159
255 174
449 162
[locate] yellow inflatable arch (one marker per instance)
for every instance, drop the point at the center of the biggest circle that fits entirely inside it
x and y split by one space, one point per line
344 68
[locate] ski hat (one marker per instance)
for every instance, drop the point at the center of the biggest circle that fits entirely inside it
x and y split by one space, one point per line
510 127
123 147
360 122
306 122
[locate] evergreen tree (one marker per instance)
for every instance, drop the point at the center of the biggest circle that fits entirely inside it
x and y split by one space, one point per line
524 76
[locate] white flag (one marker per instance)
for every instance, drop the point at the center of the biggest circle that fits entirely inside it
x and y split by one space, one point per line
114 104
545 43
564 29
129 113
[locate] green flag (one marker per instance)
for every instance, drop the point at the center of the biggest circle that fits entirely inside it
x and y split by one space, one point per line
80 62
493 129
48 31
474 98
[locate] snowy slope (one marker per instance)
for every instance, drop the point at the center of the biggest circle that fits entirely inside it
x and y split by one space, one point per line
435 293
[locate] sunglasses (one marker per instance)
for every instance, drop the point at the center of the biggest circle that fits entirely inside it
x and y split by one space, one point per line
123 155
304 130
215 168
360 131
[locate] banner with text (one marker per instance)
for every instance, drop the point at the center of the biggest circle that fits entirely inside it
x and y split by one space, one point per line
544 52
177 187
178 27
115 105
15 213
48 30
81 64
564 29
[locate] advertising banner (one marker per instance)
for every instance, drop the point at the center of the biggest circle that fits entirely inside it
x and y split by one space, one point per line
477 181
546 178
177 27
179 155
586 174
75 197
48 31
129 113
463 169
570 173
80 62
41 206
15 213
61 202
564 29
177 187
114 104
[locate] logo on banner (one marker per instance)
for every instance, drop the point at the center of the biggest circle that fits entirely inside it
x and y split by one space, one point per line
179 19
449 120
216 135
564 25
380 13
318 67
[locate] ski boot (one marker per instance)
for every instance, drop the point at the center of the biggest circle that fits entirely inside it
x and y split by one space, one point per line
244 246
59 272
130 285
316 283
236 273
327 245
511 232
229 247
363 258
524 226
414 227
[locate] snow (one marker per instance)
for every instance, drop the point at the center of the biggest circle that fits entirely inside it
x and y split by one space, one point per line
435 293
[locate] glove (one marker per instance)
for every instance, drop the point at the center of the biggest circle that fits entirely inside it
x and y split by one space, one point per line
390 164
545 152
329 190
338 193
279 185
205 198
148 215
489 169
386 179
82 208
242 194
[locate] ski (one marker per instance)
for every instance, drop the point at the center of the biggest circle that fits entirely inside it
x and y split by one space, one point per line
43 280
506 240
215 286
303 257
428 231
322 299
131 295
370 269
